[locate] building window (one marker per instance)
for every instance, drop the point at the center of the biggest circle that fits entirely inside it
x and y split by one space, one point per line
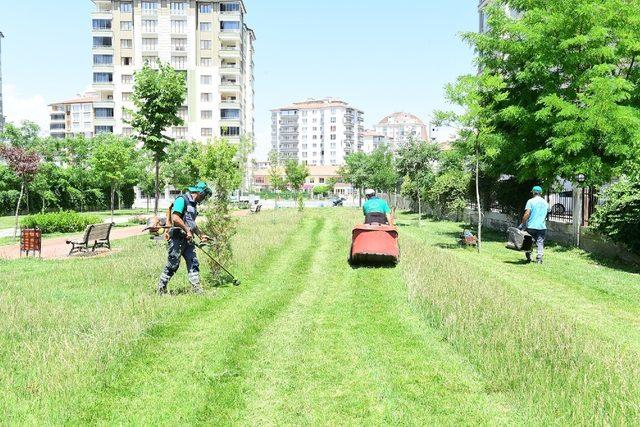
206 114
104 129
104 113
126 96
127 131
230 131
102 24
333 137
206 79
149 44
205 44
333 119
206 132
127 79
179 132
126 114
178 8
127 60
103 77
149 25
205 62
151 60
304 154
102 42
229 25
227 113
126 43
205 97
179 44
205 8
206 26
102 59
125 7
126 25
179 62
333 128
229 7
178 26
149 7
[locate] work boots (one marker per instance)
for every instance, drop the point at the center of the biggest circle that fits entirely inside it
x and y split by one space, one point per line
162 284
194 279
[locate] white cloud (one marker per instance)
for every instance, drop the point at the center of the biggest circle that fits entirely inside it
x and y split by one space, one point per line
19 107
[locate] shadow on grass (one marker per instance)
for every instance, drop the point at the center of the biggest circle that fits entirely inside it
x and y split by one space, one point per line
384 266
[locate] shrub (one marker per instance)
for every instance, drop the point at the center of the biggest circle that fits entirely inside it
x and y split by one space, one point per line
618 217
60 222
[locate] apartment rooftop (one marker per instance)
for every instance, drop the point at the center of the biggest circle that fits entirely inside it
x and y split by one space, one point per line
314 104
79 100
401 118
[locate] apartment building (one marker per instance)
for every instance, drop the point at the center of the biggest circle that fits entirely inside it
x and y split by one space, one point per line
398 128
207 40
1 110
317 132
73 117
372 140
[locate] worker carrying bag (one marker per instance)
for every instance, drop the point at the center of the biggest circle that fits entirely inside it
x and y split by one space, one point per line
519 240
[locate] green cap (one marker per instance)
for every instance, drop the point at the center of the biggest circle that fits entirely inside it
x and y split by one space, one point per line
201 188
537 189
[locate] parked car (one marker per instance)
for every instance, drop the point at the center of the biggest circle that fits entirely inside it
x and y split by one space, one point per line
338 201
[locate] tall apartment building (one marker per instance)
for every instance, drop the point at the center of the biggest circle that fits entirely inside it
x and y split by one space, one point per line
317 132
1 110
398 128
72 117
207 40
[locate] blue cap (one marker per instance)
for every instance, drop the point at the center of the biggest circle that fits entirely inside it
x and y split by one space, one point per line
537 189
200 188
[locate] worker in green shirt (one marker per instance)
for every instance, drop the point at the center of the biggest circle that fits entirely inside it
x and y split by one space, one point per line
376 210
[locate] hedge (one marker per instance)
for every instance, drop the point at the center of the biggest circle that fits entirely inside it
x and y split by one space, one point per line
60 222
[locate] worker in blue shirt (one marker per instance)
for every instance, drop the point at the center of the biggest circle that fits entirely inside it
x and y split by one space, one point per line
535 221
376 210
183 216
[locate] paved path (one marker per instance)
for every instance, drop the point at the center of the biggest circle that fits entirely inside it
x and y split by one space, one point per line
58 248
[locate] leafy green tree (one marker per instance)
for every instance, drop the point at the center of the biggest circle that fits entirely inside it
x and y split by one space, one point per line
321 190
416 161
24 136
355 171
276 175
157 97
618 217
474 96
219 166
570 71
181 166
448 193
245 148
115 162
24 164
296 174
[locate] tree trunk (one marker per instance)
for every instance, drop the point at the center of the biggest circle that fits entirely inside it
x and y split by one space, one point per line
419 210
26 198
360 197
15 230
113 195
157 185
119 200
479 246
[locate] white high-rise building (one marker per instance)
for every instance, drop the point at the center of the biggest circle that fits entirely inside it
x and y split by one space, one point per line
398 128
207 40
317 132
72 117
482 4
1 111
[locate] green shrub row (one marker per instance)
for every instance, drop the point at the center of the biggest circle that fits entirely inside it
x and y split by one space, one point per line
60 222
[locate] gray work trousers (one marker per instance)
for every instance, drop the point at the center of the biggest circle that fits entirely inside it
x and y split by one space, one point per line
538 240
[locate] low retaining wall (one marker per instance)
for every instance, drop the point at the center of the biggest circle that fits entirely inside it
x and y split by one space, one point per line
560 232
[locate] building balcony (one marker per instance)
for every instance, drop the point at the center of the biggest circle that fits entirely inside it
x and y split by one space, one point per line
231 69
230 53
233 105
104 121
230 87
230 35
103 104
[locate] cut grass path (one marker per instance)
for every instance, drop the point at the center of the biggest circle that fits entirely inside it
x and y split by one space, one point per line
305 340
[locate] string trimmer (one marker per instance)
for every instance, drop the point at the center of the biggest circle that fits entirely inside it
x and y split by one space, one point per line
201 246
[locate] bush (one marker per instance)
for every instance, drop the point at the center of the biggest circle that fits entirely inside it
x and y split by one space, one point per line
618 217
60 222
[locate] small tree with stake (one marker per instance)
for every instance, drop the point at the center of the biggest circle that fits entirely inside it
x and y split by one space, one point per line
296 175
157 96
24 165
475 124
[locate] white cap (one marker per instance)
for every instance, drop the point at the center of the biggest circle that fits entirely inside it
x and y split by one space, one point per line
369 192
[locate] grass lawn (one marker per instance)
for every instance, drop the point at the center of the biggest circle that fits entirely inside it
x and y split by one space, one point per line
449 337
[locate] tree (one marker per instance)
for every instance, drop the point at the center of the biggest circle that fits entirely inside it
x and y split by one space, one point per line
114 161
245 148
181 166
276 173
415 161
157 97
570 71
24 165
321 190
355 171
296 174
219 166
475 95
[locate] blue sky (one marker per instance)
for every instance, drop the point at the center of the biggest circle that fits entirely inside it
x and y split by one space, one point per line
381 56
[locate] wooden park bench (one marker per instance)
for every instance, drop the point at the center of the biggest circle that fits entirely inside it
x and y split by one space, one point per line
256 208
95 236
